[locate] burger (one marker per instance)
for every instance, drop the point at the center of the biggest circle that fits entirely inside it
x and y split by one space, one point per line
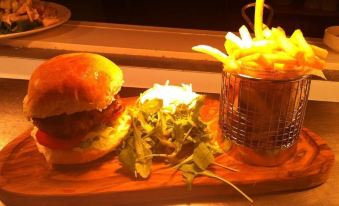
73 102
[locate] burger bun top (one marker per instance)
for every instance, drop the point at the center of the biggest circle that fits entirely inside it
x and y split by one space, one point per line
71 83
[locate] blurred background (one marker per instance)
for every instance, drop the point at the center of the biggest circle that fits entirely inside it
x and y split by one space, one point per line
311 16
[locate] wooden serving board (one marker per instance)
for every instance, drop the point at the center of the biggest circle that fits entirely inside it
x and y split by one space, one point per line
26 179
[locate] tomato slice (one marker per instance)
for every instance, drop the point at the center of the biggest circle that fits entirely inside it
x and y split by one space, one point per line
115 116
67 143
56 143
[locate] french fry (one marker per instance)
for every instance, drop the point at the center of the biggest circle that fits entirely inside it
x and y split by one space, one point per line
315 62
278 66
211 51
250 58
290 67
277 33
230 65
239 53
265 62
284 43
264 26
280 57
301 58
281 30
287 67
258 16
258 47
320 52
267 33
245 36
251 65
235 39
298 39
230 47
265 45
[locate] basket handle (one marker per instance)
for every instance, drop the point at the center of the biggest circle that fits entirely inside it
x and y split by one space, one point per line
248 20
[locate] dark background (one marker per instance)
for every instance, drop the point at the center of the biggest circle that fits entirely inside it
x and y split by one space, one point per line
311 16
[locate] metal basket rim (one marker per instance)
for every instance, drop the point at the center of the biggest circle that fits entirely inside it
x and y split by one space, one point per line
244 76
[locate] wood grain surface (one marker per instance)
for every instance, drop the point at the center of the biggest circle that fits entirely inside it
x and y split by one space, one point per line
26 179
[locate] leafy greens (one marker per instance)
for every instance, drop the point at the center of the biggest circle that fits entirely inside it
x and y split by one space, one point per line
178 138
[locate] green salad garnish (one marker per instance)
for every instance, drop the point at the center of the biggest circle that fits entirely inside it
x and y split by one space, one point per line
177 137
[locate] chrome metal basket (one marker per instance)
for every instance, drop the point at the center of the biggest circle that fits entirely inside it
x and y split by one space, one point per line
263 117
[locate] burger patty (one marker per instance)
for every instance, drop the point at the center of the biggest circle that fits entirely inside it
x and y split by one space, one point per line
78 124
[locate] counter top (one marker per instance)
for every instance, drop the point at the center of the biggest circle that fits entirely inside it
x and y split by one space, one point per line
134 45
141 51
133 40
321 117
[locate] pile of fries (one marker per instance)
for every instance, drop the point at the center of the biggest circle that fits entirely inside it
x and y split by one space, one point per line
270 50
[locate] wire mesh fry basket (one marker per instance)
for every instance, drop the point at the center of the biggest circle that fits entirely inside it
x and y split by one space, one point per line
263 118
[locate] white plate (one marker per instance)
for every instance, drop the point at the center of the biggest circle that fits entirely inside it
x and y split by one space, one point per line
63 14
331 37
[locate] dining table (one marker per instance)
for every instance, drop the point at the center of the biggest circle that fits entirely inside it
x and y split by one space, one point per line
321 117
